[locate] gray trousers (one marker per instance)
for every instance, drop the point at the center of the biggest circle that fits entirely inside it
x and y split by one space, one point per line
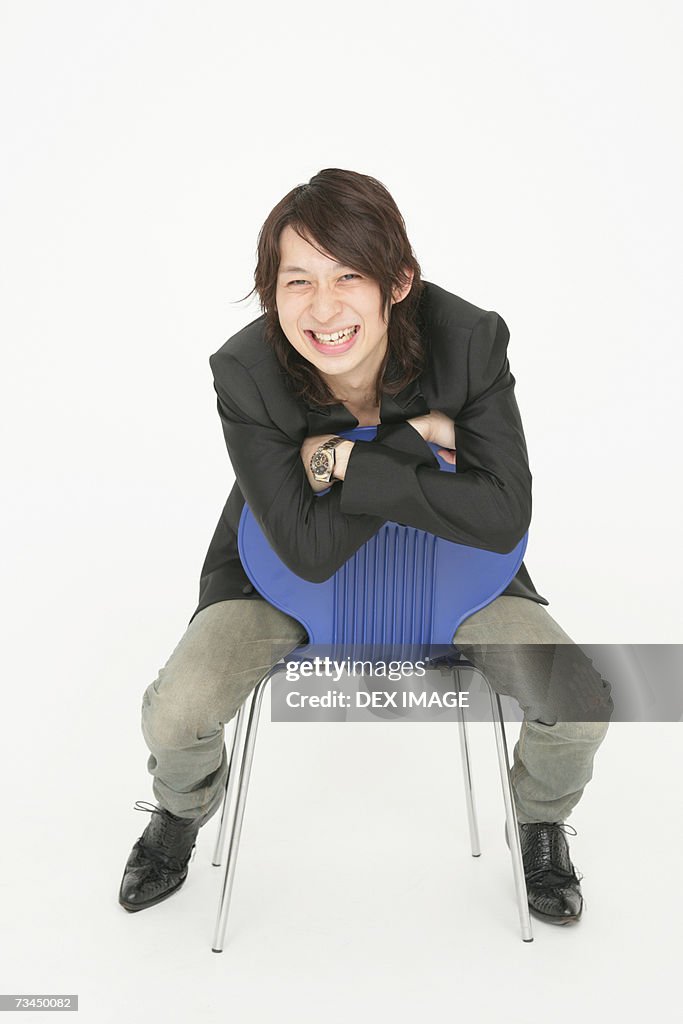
230 645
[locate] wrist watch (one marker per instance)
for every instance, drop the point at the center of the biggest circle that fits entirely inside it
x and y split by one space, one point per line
322 460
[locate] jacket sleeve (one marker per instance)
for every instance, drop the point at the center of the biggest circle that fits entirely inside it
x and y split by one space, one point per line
487 502
307 531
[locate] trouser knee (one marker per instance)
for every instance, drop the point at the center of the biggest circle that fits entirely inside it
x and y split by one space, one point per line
176 721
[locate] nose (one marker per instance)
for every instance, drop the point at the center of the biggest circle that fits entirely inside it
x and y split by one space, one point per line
325 307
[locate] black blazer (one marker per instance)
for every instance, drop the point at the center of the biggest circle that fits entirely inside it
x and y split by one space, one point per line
486 504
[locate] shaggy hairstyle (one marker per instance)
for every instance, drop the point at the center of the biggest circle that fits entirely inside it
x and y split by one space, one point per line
353 218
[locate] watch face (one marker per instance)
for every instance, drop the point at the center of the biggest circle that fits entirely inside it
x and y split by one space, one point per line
321 463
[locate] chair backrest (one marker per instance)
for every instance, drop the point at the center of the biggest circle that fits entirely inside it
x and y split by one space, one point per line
404 586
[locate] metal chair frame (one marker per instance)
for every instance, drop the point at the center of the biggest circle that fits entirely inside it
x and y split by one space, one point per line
240 762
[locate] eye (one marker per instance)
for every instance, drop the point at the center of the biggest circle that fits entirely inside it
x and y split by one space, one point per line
302 281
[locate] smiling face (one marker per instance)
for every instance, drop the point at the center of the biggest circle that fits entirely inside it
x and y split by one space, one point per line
331 314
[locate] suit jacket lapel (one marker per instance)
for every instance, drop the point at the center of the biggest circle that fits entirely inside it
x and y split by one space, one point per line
407 403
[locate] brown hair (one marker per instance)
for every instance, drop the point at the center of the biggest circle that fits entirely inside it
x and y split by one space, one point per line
354 219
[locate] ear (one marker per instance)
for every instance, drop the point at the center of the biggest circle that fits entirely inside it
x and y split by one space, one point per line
399 294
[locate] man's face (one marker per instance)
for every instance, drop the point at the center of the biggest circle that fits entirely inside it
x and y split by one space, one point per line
317 296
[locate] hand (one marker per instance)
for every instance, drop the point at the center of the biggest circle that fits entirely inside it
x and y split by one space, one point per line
341 459
341 453
448 455
437 428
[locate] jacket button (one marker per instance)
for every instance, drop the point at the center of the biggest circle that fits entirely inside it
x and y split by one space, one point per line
248 589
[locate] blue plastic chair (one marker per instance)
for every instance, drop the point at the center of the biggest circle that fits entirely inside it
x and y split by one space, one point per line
403 587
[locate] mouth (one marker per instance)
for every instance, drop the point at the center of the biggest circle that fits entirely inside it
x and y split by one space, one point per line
336 342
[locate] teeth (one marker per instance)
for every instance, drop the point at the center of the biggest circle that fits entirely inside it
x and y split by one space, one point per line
337 337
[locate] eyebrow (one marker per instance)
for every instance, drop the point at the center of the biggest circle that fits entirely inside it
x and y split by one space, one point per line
302 270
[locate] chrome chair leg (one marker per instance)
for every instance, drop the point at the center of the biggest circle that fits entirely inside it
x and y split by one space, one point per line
235 752
511 816
467 773
238 816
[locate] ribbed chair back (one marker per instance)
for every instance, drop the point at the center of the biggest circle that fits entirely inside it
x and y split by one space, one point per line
385 594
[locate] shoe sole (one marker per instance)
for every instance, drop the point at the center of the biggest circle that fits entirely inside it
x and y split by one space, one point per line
571 919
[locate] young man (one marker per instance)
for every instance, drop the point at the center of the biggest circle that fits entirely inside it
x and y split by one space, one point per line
351 335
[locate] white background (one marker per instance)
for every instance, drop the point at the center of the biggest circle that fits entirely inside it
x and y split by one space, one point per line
535 152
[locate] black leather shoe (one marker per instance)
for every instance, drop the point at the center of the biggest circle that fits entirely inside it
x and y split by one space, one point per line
553 888
158 863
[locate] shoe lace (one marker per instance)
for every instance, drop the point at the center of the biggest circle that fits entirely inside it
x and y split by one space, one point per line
145 805
160 861
543 877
